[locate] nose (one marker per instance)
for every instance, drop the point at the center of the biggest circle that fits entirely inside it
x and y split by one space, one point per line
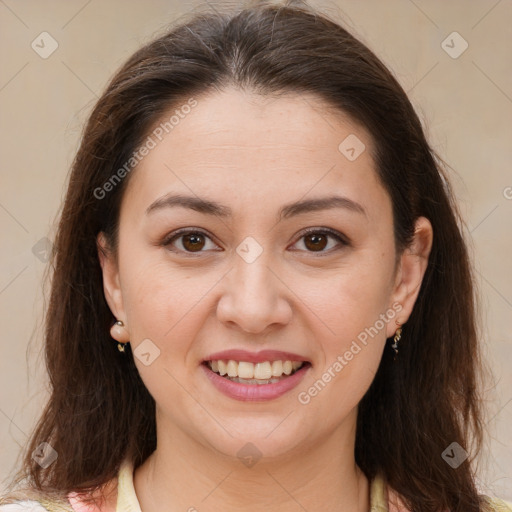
254 297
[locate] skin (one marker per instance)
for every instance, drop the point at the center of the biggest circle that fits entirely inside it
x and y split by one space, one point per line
256 154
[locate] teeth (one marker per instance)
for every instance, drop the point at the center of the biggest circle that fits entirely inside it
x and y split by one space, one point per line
254 381
277 368
287 367
222 367
264 371
232 368
245 370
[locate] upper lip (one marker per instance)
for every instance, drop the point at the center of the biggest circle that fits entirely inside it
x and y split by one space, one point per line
255 357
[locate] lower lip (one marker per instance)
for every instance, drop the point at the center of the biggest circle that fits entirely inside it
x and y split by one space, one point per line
255 392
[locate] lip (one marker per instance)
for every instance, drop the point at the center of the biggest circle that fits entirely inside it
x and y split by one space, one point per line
255 357
255 392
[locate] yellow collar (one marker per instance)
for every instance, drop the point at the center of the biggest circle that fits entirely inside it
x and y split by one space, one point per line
127 499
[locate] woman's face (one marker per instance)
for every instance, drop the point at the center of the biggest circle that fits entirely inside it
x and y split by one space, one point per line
249 277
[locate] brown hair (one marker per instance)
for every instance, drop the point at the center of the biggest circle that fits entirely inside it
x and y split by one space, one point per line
100 412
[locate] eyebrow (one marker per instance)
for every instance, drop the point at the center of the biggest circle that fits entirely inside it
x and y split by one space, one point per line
289 210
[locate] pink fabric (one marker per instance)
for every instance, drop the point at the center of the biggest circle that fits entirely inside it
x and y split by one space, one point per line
395 504
78 506
106 505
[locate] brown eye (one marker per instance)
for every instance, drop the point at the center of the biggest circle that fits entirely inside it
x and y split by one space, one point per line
193 242
315 241
189 241
318 241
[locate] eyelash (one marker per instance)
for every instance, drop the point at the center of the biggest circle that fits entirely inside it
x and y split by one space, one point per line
343 240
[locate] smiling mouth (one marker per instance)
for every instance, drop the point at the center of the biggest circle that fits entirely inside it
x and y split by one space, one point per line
267 372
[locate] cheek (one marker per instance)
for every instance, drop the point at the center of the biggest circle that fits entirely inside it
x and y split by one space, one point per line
163 307
156 297
352 313
353 376
350 333
352 298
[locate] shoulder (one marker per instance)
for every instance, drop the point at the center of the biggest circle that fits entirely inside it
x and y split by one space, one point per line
102 499
23 506
394 503
497 505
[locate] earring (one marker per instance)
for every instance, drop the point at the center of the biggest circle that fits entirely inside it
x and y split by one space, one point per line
117 331
396 339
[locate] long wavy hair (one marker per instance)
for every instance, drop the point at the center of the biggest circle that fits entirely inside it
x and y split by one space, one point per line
99 411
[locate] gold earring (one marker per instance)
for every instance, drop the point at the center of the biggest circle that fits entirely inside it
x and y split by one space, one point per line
115 327
396 339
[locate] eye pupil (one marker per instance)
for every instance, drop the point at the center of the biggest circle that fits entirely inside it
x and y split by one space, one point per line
318 241
196 240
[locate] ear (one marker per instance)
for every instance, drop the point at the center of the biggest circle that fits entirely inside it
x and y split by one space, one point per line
411 269
111 283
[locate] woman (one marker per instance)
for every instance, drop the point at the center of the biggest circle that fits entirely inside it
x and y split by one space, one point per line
261 298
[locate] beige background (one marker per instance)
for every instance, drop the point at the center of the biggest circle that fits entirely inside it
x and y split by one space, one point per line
465 104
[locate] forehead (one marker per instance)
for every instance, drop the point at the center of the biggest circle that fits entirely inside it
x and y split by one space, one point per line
300 121
240 143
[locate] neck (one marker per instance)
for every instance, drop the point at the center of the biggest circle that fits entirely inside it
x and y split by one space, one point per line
184 475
